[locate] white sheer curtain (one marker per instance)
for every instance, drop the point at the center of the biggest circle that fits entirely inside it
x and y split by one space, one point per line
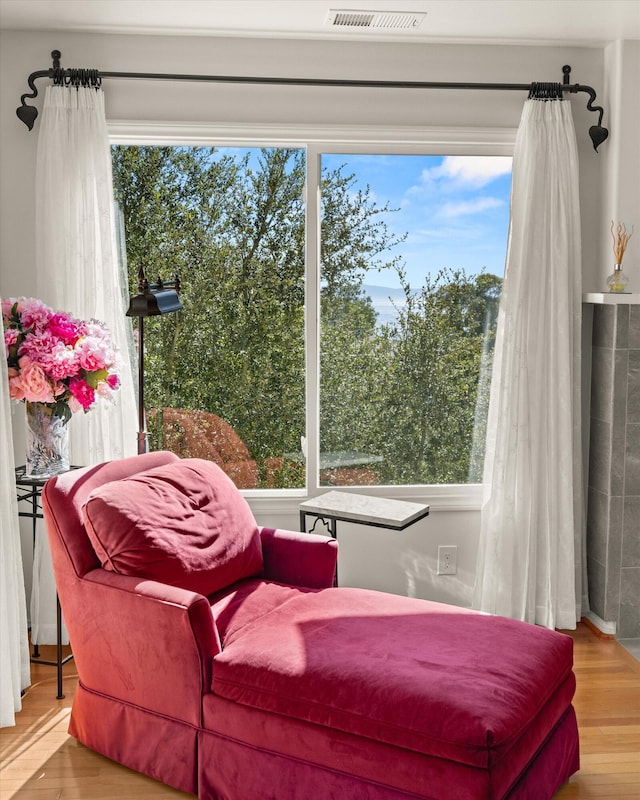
76 251
14 652
78 271
530 552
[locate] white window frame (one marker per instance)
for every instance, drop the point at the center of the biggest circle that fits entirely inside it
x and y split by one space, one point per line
362 140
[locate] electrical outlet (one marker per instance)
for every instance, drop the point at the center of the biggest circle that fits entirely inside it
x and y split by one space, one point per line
447 559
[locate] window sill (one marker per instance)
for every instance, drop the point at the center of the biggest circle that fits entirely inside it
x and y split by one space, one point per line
455 497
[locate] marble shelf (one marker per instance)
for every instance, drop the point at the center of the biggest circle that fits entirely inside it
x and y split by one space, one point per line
612 299
367 510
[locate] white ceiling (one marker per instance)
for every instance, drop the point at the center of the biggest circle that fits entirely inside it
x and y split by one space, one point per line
574 22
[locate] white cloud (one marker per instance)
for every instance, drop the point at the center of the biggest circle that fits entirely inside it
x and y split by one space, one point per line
421 235
470 206
475 171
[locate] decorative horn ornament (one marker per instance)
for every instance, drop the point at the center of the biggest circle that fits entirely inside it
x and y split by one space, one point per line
598 135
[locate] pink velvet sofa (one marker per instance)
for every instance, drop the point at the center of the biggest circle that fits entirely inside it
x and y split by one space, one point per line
217 657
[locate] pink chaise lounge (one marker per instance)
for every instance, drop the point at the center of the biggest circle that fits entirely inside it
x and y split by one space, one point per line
217 657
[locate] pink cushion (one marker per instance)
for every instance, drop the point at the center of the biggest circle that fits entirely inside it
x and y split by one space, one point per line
184 524
432 678
246 602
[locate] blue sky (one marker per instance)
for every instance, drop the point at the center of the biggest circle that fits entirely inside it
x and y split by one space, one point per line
455 209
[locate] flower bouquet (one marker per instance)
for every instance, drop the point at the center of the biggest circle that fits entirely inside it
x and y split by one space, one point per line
58 365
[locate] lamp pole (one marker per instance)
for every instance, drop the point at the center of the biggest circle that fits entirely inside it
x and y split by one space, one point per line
143 439
152 300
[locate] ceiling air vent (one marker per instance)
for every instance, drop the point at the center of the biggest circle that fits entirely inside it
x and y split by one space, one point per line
388 20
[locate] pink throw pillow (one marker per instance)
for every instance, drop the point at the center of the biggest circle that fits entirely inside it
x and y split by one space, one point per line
184 524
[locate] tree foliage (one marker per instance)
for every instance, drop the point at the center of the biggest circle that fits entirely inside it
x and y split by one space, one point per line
232 227
432 390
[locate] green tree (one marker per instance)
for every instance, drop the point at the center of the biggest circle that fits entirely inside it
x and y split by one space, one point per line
432 386
234 233
232 227
353 356
355 237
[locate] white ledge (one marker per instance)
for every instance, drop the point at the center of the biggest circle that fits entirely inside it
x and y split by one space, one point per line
612 298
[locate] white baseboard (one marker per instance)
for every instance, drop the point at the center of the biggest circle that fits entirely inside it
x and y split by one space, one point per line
604 627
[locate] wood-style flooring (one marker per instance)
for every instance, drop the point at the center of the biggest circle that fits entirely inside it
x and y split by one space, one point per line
40 761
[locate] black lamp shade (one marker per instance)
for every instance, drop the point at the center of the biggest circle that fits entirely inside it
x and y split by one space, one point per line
152 304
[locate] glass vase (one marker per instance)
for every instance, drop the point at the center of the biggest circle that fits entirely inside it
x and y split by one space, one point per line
47 442
617 282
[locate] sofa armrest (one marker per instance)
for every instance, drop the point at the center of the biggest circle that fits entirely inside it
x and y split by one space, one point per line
299 559
144 642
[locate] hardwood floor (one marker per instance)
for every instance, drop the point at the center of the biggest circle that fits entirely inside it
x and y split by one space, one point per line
40 761
607 704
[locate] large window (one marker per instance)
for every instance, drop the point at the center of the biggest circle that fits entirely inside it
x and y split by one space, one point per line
389 384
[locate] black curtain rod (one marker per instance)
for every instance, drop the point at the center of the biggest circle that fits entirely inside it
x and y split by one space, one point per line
93 77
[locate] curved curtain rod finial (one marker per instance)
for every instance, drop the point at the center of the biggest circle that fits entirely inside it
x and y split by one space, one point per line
27 114
598 135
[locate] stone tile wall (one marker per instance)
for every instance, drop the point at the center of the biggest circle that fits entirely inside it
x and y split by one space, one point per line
613 516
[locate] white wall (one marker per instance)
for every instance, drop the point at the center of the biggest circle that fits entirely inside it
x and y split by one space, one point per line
402 562
621 183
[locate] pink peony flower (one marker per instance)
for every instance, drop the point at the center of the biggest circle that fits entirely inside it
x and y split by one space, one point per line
82 392
59 389
96 330
92 355
113 381
74 405
10 338
33 313
61 362
36 386
37 345
6 306
103 391
64 327
97 339
16 392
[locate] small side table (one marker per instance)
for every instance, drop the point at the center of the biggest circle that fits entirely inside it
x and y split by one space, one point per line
29 490
380 512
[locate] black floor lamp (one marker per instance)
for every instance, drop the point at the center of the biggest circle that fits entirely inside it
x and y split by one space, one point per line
152 300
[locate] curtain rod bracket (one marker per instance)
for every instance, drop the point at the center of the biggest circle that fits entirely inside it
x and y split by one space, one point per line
28 114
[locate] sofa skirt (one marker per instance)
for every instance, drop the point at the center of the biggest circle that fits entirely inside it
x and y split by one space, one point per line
281 758
155 745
